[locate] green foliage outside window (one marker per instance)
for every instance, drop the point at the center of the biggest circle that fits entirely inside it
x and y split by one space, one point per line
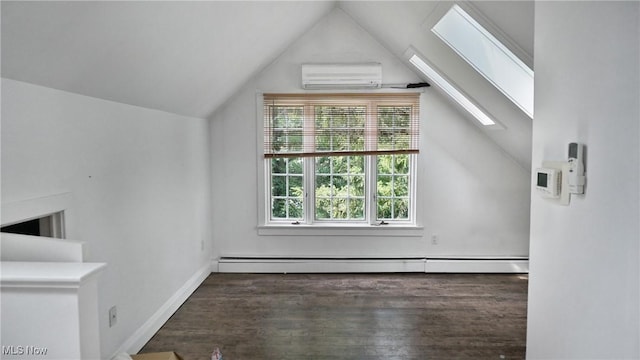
392 187
394 126
339 128
287 188
340 188
287 125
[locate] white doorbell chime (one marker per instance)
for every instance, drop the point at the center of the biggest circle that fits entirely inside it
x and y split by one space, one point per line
556 180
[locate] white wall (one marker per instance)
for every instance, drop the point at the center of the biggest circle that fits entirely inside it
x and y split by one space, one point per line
139 181
584 274
470 193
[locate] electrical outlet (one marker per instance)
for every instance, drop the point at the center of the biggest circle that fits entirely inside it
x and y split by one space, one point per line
113 316
434 239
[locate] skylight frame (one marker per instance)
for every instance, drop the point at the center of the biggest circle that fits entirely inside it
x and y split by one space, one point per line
511 67
438 79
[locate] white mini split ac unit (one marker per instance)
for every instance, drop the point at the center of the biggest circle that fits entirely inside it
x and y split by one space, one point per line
341 76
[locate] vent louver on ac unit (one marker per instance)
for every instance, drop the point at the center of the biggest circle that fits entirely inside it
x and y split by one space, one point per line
341 76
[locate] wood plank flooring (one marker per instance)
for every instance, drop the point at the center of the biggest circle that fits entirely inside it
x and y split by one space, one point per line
350 316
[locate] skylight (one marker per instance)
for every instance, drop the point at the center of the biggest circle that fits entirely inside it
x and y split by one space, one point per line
488 56
448 88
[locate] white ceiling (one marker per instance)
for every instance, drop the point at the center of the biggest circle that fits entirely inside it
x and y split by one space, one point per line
190 57
182 57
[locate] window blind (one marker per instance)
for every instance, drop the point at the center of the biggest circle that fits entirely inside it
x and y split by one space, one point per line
309 125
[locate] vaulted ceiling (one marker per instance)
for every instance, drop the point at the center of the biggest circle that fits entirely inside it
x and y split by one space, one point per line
189 57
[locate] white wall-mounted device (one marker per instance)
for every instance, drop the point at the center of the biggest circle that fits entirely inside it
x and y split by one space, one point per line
557 180
575 176
548 182
341 76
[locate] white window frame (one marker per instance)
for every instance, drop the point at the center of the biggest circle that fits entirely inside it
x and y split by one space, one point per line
310 227
462 33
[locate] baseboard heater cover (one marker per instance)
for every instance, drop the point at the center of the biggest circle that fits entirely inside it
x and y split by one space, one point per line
370 265
508 266
319 265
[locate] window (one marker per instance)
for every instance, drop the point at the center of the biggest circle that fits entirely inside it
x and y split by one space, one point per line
487 55
451 90
340 159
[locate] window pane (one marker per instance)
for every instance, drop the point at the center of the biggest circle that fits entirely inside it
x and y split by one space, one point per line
401 185
384 185
340 165
356 164
340 185
323 209
401 209
339 128
280 118
385 139
287 189
393 187
340 188
339 209
384 163
294 141
402 117
356 186
295 166
394 127
279 208
278 185
339 118
278 166
323 165
286 125
323 185
401 164
356 140
295 186
356 209
295 208
384 209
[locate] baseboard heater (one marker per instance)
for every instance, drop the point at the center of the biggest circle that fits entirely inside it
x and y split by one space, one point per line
230 264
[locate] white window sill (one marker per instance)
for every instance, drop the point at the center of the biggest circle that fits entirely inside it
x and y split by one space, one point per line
340 230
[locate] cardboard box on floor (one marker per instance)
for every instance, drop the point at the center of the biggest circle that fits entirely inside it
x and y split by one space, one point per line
169 355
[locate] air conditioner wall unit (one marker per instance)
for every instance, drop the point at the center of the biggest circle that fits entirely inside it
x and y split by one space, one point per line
341 76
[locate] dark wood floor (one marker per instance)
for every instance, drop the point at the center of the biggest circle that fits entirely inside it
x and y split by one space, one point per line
350 316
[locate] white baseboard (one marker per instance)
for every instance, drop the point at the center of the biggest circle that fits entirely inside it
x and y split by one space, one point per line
310 265
477 266
141 336
276 265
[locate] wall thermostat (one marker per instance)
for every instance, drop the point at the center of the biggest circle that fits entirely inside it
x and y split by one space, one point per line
548 182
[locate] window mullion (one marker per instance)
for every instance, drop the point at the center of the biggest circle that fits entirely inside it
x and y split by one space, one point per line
309 165
413 177
370 187
370 164
309 189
